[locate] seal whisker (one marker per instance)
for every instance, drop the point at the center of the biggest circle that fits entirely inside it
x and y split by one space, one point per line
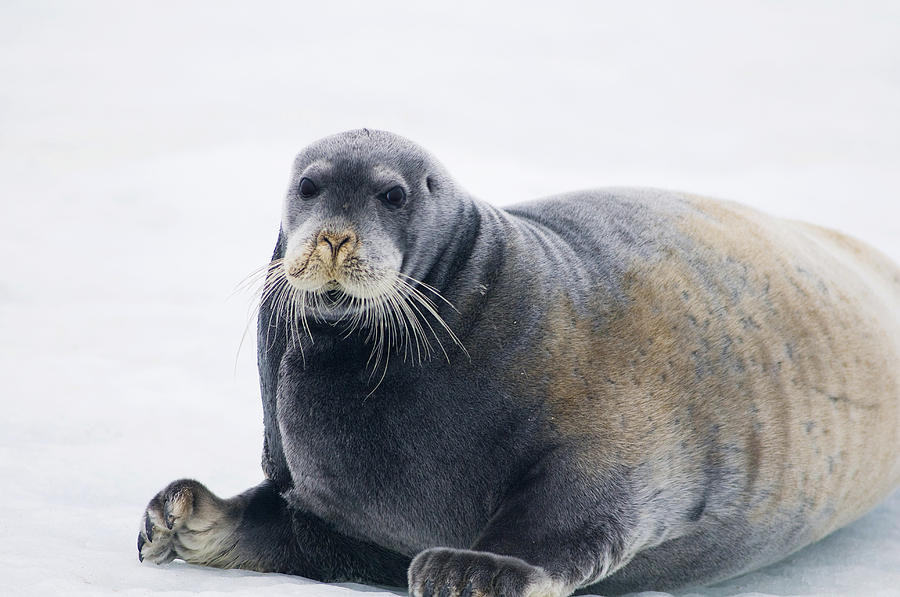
409 323
276 299
253 310
428 288
296 336
276 309
283 303
416 295
378 327
414 328
267 278
385 327
257 277
396 315
437 338
363 316
303 321
390 335
355 309
412 314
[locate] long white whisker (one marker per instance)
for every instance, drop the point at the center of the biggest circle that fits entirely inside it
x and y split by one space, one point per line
427 287
391 311
418 332
422 300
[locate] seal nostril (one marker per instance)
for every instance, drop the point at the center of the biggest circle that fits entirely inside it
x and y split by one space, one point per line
342 242
337 240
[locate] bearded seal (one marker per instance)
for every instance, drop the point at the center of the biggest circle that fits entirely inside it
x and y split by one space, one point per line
613 390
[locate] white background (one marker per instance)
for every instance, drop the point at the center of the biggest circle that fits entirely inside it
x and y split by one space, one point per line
145 147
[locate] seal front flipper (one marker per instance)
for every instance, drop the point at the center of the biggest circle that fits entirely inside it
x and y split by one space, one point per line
257 531
187 521
446 572
559 530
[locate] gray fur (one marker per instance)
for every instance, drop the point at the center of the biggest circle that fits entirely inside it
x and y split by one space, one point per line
606 409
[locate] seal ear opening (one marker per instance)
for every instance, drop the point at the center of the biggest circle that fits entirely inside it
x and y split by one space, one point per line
431 183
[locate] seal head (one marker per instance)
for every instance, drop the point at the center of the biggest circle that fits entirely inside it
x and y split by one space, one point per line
364 221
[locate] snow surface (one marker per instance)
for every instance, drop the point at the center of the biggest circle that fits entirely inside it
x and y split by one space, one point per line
144 150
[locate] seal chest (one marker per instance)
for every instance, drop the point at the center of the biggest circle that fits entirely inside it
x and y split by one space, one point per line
620 389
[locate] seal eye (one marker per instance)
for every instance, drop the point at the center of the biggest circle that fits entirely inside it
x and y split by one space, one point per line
395 198
307 188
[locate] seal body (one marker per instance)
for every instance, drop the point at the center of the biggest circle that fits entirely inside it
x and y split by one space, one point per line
618 390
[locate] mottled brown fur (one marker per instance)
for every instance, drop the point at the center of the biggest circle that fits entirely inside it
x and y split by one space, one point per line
779 373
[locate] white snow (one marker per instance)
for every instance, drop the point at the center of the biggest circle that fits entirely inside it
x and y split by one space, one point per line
145 146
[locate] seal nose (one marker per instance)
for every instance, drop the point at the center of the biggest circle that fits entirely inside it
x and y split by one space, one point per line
337 240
